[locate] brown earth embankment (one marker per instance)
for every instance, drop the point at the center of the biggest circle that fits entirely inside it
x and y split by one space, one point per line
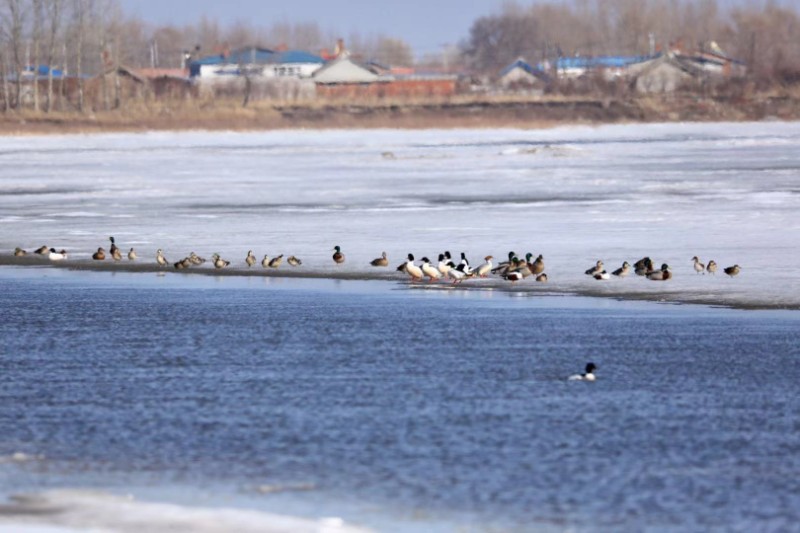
457 113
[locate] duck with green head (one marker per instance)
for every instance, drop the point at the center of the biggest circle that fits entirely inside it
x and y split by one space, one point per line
338 256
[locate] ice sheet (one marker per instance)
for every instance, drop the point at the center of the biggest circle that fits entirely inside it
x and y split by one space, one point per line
728 192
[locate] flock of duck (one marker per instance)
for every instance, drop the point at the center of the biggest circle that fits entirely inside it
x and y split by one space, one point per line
514 269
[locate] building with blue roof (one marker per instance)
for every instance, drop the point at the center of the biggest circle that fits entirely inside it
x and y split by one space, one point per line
521 74
258 62
573 67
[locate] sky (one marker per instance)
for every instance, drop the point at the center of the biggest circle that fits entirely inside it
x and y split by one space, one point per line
426 25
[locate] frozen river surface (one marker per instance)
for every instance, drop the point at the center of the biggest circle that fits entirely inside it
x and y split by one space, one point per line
728 192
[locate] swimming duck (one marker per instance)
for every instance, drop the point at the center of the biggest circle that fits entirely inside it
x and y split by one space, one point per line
699 267
56 256
413 270
160 259
381 261
484 269
276 261
588 375
265 261
712 267
42 250
220 262
99 255
132 255
19 252
338 256
660 275
542 278
596 269
732 271
429 270
456 273
623 271
294 261
196 259
250 259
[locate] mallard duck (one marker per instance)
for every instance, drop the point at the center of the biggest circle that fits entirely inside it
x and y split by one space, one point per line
588 375
381 261
519 270
484 269
115 253
99 255
596 269
250 259
429 270
542 278
413 270
699 267
712 267
643 266
160 259
660 275
19 252
537 267
623 271
132 255
56 256
42 250
733 270
276 261
292 260
503 268
338 256
521 267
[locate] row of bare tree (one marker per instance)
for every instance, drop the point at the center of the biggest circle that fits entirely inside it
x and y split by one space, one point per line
80 37
763 35
94 36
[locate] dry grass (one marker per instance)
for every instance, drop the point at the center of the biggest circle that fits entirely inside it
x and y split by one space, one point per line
463 111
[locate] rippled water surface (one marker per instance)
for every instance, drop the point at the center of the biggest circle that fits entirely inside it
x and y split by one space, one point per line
401 409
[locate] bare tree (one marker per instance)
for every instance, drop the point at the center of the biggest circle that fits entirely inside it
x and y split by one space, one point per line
37 37
81 14
54 8
13 33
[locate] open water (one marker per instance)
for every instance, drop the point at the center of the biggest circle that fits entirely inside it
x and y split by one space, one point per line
400 410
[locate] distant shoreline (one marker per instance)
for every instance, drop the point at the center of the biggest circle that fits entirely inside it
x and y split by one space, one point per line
529 287
457 113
